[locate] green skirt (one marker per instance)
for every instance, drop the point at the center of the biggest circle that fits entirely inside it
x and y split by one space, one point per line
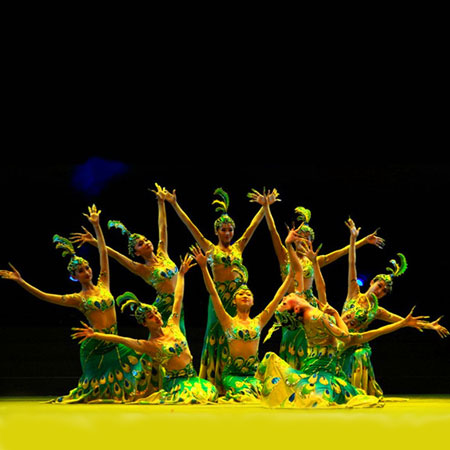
111 373
357 365
239 381
182 387
319 384
215 347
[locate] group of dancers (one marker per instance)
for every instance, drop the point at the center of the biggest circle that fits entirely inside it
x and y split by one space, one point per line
324 357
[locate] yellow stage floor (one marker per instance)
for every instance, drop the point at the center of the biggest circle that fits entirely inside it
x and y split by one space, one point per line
418 422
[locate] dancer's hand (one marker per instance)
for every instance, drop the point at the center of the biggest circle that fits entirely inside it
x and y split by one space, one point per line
83 238
94 215
186 263
441 330
199 256
414 322
373 239
352 227
305 248
11 275
266 198
160 192
83 333
170 197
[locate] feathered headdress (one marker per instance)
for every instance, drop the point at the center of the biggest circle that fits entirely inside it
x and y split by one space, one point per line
68 250
132 237
396 270
140 310
304 215
222 207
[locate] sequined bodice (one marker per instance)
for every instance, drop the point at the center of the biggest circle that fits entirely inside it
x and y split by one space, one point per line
248 332
173 347
102 301
358 315
163 271
231 259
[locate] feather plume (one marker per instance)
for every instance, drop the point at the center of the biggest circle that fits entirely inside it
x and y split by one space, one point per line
119 225
224 203
64 244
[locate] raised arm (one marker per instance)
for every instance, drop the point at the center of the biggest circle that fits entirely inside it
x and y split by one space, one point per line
94 219
280 250
367 336
70 300
294 260
86 332
222 315
186 264
88 238
372 239
270 309
162 217
353 287
204 243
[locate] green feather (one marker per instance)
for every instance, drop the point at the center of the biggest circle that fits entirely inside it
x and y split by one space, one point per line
304 214
64 244
119 225
224 203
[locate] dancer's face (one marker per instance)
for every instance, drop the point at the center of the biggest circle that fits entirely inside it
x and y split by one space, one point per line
153 319
143 247
379 288
225 233
292 302
83 273
243 298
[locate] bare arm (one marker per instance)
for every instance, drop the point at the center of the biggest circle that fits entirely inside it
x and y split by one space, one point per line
162 217
87 332
270 309
204 243
186 264
94 218
372 239
70 300
352 288
222 315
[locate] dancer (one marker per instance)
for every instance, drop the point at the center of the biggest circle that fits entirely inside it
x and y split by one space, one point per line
242 333
157 269
320 381
228 272
167 346
110 372
293 344
360 309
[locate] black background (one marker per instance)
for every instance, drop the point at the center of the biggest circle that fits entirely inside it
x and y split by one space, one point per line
41 196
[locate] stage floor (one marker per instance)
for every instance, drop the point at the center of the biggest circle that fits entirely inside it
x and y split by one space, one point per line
417 422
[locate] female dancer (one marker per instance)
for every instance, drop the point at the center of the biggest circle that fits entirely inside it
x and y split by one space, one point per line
360 309
293 345
320 381
242 333
166 345
157 269
110 372
228 272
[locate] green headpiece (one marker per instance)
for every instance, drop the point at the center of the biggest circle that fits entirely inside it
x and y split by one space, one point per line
67 249
288 319
397 270
224 203
304 215
132 237
139 309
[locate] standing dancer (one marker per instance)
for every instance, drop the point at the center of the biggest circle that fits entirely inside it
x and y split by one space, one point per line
166 345
360 309
229 273
293 346
110 372
242 333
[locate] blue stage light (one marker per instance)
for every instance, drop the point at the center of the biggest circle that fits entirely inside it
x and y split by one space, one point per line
92 176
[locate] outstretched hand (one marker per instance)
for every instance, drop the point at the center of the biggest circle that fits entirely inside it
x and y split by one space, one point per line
186 263
266 198
415 322
199 256
352 227
82 238
94 215
11 275
373 239
83 333
441 330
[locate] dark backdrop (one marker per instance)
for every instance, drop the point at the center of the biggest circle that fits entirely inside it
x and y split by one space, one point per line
41 197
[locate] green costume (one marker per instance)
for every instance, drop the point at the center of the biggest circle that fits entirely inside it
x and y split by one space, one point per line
238 377
182 386
111 373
